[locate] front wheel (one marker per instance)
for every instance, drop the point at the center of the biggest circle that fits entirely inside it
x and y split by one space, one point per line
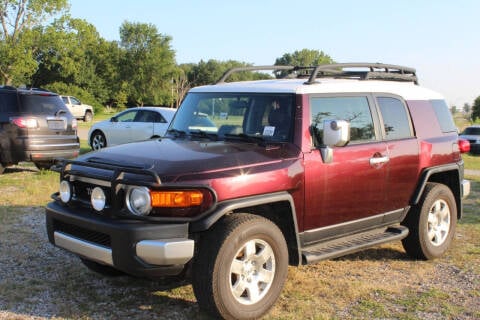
431 223
240 267
98 140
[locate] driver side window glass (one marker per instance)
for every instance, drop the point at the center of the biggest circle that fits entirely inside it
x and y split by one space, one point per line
355 110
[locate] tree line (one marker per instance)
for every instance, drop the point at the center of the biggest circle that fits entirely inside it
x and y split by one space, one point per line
42 46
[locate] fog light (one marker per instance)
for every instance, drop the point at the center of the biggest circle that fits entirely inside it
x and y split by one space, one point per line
138 201
65 191
98 199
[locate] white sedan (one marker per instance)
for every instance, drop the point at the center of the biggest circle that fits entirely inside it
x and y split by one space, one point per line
131 125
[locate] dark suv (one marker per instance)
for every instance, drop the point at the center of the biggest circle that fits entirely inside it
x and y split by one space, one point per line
296 170
35 125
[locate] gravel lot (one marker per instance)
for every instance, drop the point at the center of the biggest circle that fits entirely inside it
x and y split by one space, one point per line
38 281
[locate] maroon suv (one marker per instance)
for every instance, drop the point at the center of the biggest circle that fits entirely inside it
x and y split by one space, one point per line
279 172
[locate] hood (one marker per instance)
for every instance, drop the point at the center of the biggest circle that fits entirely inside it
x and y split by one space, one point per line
176 159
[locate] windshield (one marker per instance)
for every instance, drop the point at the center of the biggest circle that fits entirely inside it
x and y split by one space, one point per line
246 116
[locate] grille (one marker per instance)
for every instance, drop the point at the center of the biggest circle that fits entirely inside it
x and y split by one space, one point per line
84 234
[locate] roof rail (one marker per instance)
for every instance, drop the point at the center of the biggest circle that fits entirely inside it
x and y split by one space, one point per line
374 71
253 68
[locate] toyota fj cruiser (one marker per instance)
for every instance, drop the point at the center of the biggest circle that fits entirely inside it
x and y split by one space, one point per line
296 170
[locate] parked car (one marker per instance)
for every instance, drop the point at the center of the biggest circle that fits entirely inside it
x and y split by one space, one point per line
472 134
35 125
299 170
133 124
78 109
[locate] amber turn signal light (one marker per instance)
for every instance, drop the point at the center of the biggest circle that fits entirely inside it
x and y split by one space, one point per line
176 199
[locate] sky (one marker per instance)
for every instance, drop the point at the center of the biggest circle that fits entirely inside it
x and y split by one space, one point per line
439 38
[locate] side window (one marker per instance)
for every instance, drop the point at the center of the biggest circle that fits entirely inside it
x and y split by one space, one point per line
396 120
159 118
74 101
444 116
128 116
355 110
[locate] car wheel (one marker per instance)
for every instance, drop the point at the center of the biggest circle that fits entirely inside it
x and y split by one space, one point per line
98 141
240 267
88 116
2 168
44 165
102 269
431 223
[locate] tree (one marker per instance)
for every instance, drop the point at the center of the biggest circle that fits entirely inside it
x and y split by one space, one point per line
148 65
476 109
20 22
304 58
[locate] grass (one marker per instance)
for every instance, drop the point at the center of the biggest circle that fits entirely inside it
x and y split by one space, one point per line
472 162
377 283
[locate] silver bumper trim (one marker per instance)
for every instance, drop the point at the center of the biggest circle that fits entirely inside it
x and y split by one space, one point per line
165 251
83 248
465 188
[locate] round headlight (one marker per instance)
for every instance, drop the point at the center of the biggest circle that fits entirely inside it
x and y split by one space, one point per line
138 201
98 199
65 191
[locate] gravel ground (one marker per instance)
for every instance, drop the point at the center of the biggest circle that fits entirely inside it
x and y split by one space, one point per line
39 281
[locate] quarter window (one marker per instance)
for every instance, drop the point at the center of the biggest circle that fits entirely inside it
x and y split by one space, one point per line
396 121
355 110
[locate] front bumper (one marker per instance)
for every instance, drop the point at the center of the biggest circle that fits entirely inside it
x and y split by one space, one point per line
134 247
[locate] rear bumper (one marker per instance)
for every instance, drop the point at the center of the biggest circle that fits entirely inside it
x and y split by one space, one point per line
137 248
38 148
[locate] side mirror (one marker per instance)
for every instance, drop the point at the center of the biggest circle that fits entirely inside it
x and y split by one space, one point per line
336 133
113 119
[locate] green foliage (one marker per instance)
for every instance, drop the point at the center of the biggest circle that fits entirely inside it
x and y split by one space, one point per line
148 65
476 109
19 21
304 57
72 90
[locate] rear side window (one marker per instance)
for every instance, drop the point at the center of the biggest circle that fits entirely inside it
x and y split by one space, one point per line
41 104
8 102
396 121
355 110
444 116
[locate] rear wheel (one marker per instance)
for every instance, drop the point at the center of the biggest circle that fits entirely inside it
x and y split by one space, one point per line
431 223
240 267
98 141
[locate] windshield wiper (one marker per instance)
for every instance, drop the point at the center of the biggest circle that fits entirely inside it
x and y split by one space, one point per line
204 134
246 137
177 133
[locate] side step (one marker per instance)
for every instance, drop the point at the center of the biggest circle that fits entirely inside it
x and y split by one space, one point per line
346 245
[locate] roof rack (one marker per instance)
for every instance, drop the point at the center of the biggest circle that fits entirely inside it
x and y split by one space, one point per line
256 68
360 70
374 71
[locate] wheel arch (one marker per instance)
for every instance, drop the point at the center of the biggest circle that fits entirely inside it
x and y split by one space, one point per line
448 175
277 207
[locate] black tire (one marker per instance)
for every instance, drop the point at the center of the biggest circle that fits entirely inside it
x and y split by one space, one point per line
88 116
2 168
98 140
240 253
102 269
431 223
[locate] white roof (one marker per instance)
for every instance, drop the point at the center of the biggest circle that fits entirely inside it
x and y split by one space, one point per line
407 90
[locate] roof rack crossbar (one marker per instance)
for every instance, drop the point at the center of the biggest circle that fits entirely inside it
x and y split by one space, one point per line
253 68
376 71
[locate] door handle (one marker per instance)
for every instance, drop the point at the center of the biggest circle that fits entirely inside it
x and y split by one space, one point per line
379 160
